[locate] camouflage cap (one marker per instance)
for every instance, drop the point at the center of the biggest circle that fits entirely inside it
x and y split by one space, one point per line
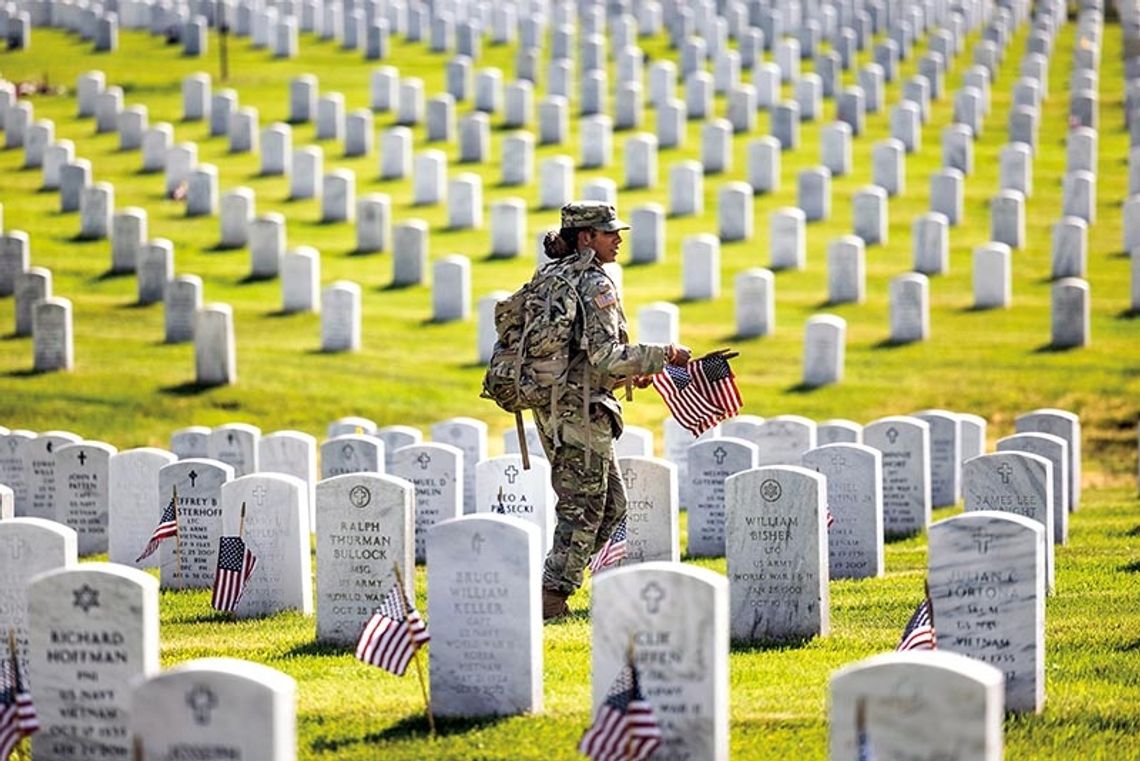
595 214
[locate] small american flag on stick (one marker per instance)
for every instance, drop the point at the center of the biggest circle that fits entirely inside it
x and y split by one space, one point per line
613 551
235 565
919 633
393 634
167 527
626 727
18 717
702 393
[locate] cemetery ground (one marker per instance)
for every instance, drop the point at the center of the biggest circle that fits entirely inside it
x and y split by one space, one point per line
130 389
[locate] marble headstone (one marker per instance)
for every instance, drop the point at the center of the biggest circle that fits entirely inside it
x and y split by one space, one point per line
854 474
709 464
134 496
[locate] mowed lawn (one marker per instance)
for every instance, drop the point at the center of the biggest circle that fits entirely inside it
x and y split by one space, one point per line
130 389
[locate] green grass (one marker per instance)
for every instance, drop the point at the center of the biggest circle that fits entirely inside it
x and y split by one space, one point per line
130 389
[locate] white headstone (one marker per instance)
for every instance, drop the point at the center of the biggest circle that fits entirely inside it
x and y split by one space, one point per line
709 463
135 503
502 486
905 446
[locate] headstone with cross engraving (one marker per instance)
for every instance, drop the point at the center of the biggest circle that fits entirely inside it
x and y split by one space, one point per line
917 704
216 708
484 591
676 442
710 463
651 490
364 531
1013 482
236 444
470 437
82 492
533 441
12 470
905 444
193 441
854 474
293 453
945 456
135 503
29 546
1057 422
351 453
675 617
92 631
436 471
776 549
987 585
190 562
783 439
502 486
1056 451
270 511
39 464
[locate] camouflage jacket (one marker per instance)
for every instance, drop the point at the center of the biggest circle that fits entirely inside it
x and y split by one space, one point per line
608 356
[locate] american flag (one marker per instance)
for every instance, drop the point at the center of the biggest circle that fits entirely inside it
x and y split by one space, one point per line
18 717
686 404
626 727
393 634
613 551
919 633
715 381
166 528
235 565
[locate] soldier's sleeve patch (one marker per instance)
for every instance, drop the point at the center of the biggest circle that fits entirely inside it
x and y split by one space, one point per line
606 298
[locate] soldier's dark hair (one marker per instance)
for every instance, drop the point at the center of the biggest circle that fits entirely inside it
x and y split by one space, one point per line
563 242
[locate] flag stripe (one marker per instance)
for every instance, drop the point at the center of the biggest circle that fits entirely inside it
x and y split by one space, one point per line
392 635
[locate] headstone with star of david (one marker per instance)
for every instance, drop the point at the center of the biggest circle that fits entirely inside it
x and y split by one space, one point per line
351 424
216 708
436 471
12 471
1055 450
533 441
134 499
484 576
776 548
192 441
351 453
502 486
28 547
364 530
1013 482
710 463
394 437
470 436
276 530
783 439
293 453
905 445
945 456
190 563
675 618
854 474
38 456
236 445
651 511
917 704
82 492
635 441
92 632
986 571
1057 422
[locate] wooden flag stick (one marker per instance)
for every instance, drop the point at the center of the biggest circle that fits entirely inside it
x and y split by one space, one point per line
416 652
241 523
628 744
177 539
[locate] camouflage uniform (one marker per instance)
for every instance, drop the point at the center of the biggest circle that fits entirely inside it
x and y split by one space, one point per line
579 430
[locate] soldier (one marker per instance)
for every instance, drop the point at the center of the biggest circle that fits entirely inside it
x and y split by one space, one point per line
579 429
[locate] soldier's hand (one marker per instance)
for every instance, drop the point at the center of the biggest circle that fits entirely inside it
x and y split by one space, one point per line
678 354
643 381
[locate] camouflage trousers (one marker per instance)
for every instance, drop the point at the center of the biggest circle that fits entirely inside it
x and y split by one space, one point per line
591 501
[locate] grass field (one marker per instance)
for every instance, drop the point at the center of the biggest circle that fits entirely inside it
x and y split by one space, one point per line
130 389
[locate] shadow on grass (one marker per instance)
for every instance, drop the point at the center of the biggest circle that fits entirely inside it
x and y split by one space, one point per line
189 388
891 343
110 275
316 648
1134 531
138 305
761 645
411 727
1051 348
1129 647
251 279
899 538
221 248
805 388
1128 314
393 286
27 372
1133 567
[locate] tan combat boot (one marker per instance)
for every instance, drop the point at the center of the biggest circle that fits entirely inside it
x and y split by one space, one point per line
554 605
